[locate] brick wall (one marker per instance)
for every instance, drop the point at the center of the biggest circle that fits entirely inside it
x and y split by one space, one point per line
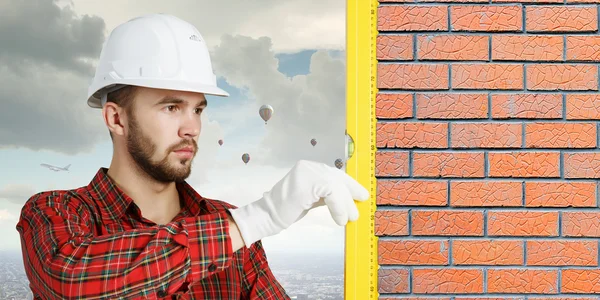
488 150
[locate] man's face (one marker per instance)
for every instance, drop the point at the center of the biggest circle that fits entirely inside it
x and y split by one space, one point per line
163 131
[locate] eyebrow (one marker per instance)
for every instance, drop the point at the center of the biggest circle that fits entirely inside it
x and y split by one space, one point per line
175 100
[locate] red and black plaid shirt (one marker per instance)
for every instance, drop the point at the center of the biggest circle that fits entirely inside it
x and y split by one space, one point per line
93 243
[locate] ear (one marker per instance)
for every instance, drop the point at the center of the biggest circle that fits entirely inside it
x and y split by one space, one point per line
114 118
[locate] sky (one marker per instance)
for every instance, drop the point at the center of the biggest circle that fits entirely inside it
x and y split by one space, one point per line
288 54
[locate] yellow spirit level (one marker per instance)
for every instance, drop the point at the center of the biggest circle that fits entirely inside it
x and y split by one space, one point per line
361 259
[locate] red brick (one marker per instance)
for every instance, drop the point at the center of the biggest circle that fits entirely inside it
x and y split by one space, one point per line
486 18
530 106
583 1
447 281
564 194
562 77
394 106
527 47
527 1
581 224
398 47
381 297
452 106
447 223
582 165
562 253
487 135
412 192
491 298
445 1
413 252
391 223
583 48
411 135
580 281
560 135
522 281
524 164
412 17
393 280
487 76
562 298
583 106
453 47
391 163
448 164
485 193
412 76
487 252
528 223
542 18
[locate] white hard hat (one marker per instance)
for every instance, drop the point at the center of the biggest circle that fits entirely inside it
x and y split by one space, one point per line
155 51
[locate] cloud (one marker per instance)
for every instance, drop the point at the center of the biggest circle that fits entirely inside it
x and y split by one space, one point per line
204 161
10 237
239 184
306 238
305 106
300 25
40 32
5 215
232 117
46 109
45 76
17 193
293 25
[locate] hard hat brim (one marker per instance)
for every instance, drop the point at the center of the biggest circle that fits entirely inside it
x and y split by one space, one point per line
94 100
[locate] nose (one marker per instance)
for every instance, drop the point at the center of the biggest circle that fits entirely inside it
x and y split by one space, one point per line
190 126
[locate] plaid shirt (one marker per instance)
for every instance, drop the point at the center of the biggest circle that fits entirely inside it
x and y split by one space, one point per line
93 243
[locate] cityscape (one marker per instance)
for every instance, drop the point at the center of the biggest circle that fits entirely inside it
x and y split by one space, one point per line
307 276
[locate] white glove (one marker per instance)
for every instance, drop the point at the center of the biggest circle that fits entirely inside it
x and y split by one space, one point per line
308 185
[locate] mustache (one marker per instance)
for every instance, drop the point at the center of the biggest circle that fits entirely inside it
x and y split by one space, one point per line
185 143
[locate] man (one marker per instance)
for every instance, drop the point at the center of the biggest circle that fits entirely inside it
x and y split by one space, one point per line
139 230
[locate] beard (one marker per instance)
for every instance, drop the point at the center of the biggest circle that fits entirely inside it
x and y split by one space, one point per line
142 149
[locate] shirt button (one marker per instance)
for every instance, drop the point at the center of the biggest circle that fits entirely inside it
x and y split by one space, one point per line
212 267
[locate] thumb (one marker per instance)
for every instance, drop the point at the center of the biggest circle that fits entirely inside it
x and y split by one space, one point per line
356 190
337 202
352 211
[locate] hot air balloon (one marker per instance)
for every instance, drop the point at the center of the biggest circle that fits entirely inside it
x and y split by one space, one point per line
313 142
339 163
220 142
265 112
246 158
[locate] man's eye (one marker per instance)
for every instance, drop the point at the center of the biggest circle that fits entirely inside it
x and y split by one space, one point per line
198 110
171 107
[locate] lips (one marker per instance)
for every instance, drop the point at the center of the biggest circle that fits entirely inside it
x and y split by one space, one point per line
186 152
186 149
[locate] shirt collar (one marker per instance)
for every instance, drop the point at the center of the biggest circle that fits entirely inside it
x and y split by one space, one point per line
114 202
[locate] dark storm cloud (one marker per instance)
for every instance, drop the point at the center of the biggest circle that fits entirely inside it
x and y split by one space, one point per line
45 69
40 32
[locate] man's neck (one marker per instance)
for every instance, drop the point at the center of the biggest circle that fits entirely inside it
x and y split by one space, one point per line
158 202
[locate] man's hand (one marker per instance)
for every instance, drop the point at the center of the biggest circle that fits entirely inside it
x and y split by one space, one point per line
308 185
